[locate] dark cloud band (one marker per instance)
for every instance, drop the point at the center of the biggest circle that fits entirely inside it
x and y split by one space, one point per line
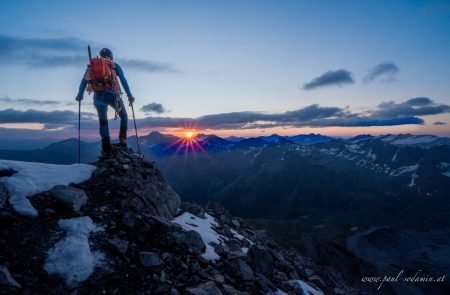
386 114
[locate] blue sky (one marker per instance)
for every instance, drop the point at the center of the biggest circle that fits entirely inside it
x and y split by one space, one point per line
235 67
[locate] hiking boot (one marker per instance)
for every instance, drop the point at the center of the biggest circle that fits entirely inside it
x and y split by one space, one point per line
123 144
106 146
123 137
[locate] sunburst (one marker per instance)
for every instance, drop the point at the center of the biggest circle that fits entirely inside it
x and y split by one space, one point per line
188 142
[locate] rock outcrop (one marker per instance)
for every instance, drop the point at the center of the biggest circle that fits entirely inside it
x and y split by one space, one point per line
142 240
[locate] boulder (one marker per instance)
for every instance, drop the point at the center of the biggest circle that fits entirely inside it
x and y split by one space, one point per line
240 270
230 290
193 209
264 284
129 219
70 197
235 222
301 287
120 245
233 245
188 239
7 282
3 195
208 288
151 260
159 225
221 249
262 261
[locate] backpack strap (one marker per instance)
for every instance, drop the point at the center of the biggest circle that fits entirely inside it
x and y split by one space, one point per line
115 80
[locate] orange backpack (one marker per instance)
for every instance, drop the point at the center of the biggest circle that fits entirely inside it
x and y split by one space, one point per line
101 75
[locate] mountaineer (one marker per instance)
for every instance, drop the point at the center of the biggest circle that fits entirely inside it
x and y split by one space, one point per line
101 77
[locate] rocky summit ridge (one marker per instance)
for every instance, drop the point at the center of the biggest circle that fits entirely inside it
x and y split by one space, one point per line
125 231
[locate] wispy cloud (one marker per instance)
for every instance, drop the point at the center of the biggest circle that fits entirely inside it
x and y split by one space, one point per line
42 52
63 52
30 101
383 72
154 108
147 66
331 78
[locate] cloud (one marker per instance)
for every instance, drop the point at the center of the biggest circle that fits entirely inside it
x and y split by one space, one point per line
419 106
385 114
366 122
63 52
147 66
30 101
312 112
383 72
330 78
309 116
153 108
35 116
44 52
439 123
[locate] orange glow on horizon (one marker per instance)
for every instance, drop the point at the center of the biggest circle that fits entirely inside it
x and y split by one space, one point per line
188 142
189 134
328 131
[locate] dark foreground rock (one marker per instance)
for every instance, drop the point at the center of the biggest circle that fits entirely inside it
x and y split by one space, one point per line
137 248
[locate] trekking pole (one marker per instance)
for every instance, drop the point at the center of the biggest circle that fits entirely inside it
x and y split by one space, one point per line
79 131
135 129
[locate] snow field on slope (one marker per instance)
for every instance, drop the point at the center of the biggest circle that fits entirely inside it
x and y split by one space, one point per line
33 178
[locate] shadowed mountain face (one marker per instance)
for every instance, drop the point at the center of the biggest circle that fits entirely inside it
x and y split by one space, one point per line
366 178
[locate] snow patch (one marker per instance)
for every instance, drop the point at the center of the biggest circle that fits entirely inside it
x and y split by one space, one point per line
405 169
413 140
33 178
395 155
352 148
205 227
241 237
444 166
308 289
413 179
71 258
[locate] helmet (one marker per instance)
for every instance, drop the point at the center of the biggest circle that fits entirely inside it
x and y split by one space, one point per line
105 52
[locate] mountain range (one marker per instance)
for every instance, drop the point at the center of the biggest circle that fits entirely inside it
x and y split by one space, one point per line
331 198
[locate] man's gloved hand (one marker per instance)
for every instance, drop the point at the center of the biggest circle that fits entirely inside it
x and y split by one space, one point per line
131 99
78 98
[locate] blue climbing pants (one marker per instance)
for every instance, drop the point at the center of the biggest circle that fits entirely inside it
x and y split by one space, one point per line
102 100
